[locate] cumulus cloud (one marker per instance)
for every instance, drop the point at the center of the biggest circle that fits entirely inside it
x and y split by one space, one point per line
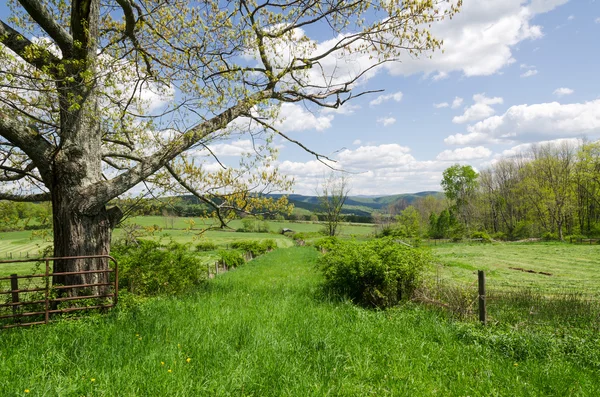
441 105
385 169
479 110
466 153
384 98
357 142
457 102
563 91
526 123
293 117
479 40
529 73
525 147
386 121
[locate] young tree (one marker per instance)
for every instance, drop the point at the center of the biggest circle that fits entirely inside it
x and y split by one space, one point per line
96 98
332 196
459 184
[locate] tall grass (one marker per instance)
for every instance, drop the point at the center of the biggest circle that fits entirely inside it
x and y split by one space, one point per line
266 329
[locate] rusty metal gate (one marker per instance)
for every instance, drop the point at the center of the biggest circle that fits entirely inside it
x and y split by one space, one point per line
38 310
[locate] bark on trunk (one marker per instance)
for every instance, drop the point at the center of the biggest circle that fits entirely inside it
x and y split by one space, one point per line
77 234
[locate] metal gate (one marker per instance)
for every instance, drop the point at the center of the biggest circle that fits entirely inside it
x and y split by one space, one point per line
39 308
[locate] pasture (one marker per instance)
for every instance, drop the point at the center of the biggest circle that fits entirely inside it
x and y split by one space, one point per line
545 267
267 329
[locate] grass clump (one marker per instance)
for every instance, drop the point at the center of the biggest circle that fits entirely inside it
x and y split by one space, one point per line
231 259
255 247
379 273
149 269
206 246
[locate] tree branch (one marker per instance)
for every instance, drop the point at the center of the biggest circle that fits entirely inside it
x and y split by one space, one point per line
101 192
29 141
42 59
39 14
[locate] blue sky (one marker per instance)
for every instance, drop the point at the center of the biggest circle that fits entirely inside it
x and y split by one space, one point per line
517 72
513 73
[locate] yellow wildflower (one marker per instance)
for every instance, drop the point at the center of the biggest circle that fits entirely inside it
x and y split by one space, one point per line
162 363
93 379
26 390
188 359
169 371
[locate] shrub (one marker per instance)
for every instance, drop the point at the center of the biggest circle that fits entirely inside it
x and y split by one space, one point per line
256 248
485 238
549 236
231 258
378 273
150 269
206 246
326 243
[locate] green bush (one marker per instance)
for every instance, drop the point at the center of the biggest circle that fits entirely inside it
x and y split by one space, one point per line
549 236
231 258
206 246
326 243
378 273
150 269
256 248
481 235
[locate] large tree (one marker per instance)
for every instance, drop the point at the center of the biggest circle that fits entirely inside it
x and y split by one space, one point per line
80 81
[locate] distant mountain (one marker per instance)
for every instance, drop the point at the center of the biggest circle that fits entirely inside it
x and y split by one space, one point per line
360 205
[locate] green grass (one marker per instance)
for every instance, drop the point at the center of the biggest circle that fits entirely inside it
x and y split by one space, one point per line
572 267
266 330
274 226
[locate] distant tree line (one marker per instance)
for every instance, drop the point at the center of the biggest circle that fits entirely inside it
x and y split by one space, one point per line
550 191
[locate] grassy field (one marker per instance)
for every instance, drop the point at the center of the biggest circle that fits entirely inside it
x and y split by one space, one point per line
569 267
274 226
266 329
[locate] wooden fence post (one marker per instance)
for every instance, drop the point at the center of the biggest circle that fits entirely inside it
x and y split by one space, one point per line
482 305
14 286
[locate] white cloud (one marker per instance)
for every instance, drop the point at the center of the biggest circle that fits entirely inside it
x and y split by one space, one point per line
386 121
597 20
563 91
385 169
480 39
526 66
384 98
357 142
527 123
457 102
541 6
293 117
529 73
466 153
525 147
480 110
236 148
571 17
441 105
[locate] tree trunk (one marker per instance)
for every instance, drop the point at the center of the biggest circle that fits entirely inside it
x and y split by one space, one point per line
77 234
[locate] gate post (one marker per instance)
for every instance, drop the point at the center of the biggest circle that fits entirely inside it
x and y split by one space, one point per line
14 286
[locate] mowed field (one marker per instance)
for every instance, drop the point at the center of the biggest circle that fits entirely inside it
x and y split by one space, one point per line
567 267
